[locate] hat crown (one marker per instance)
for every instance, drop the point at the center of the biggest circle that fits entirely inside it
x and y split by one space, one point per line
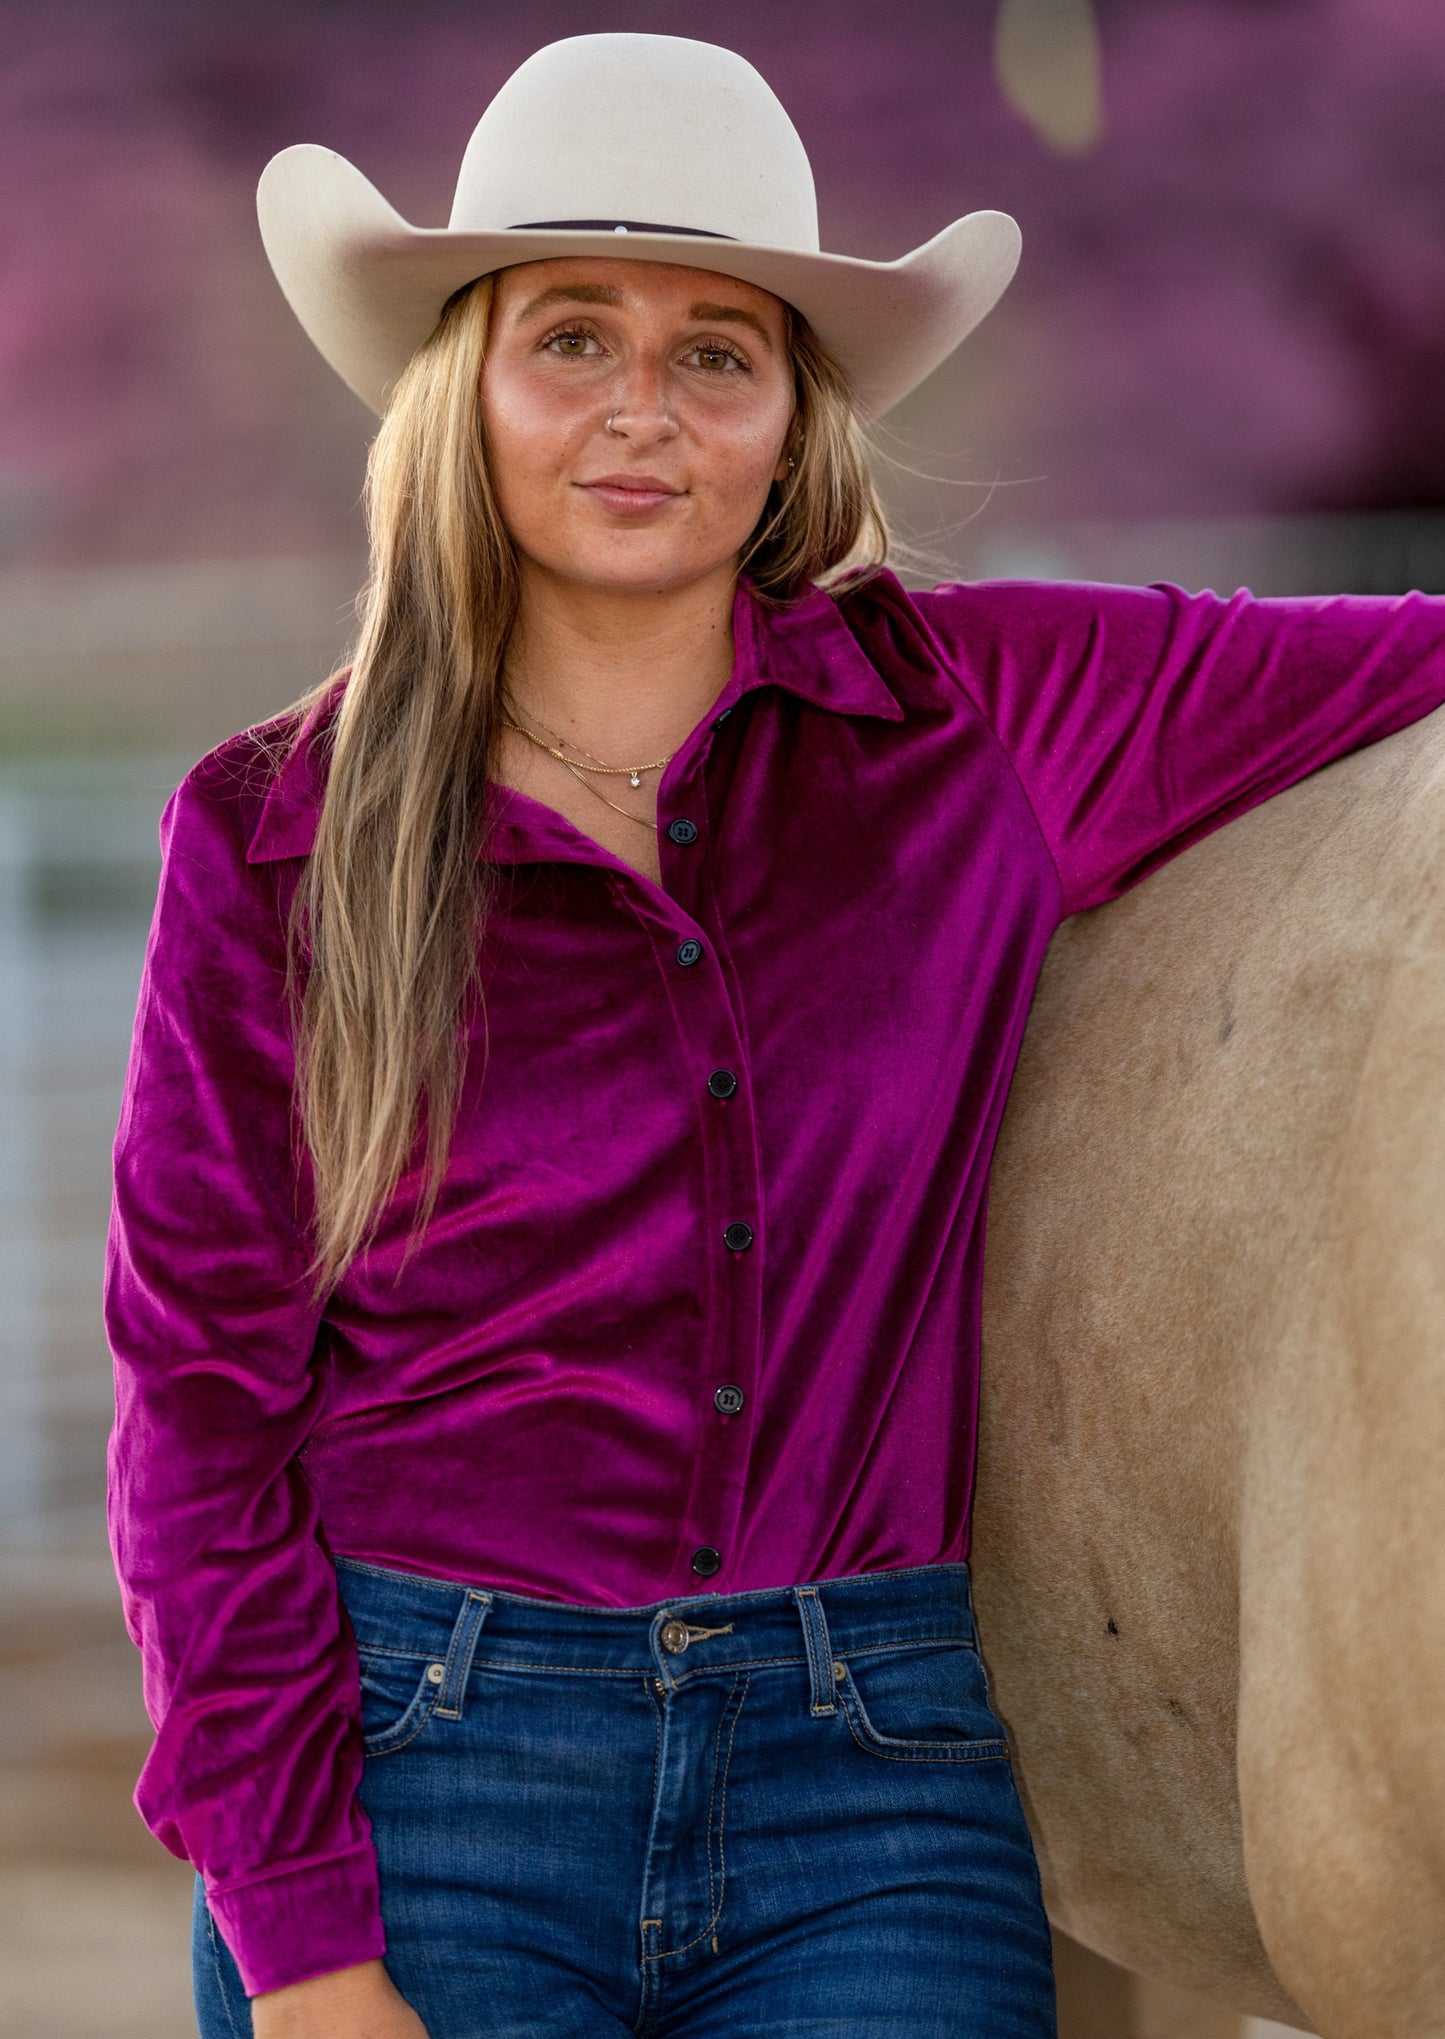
651 129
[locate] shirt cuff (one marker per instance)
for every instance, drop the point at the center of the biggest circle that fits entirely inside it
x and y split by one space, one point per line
305 1919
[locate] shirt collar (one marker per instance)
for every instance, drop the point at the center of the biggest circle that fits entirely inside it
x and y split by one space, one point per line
805 647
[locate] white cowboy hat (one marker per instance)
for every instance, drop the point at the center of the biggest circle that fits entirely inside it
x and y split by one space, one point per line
680 147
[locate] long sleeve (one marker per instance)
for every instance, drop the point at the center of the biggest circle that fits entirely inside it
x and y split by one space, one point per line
1138 719
249 1668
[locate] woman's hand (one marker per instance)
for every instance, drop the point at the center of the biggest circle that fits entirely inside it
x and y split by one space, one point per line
354 2003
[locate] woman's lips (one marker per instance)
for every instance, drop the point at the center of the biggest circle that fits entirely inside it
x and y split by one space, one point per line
631 494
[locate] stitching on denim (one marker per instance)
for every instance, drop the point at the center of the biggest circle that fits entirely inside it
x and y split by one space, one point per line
678 1677
385 1748
566 1670
820 1655
648 1973
722 1822
905 1749
716 1898
461 1653
717 1756
379 1744
220 1974
650 1977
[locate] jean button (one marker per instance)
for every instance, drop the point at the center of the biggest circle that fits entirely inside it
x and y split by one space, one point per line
675 1637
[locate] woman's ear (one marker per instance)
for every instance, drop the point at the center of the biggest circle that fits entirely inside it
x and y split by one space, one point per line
788 459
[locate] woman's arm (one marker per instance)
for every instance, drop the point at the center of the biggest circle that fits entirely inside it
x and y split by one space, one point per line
249 1666
1139 719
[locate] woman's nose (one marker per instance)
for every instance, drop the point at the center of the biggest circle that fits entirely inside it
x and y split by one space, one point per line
641 409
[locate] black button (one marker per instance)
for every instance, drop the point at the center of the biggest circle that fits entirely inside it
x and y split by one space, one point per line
738 1236
688 953
728 1398
722 1083
682 831
706 1561
719 720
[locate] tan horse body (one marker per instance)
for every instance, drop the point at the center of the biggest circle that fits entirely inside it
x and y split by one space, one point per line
1210 1532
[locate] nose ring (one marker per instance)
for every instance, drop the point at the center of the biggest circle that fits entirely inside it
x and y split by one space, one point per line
608 426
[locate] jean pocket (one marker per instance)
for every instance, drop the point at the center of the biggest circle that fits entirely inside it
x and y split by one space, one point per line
399 1695
923 1703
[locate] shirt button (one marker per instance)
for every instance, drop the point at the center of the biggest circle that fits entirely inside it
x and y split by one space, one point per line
719 720
688 953
722 1083
738 1237
682 831
728 1398
706 1561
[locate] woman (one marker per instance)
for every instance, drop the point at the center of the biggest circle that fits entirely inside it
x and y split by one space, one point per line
549 1191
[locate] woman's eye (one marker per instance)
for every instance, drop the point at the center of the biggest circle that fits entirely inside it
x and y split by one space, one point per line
571 345
717 360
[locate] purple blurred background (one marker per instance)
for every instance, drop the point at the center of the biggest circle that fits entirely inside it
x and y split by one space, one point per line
1222 362
1233 302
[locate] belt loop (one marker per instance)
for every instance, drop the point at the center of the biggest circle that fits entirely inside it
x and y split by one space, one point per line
462 1649
820 1653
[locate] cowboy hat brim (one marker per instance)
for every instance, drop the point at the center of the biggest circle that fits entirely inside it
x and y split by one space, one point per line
368 288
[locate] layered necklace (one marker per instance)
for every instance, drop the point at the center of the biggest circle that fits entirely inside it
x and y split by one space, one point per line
632 773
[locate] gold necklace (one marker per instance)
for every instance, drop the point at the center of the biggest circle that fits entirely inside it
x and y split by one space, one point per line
632 773
640 819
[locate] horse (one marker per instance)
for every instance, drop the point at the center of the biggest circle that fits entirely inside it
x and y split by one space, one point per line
1209 1544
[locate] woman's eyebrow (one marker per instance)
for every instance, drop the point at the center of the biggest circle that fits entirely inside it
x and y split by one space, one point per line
715 313
572 293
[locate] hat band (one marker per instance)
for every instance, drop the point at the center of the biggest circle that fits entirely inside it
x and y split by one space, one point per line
612 226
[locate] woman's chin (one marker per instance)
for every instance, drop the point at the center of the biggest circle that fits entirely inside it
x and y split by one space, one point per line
635 570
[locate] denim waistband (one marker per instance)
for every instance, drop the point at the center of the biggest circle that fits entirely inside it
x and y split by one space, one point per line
406 1614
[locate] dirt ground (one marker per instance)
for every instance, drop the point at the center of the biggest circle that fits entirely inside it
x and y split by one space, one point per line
94 1914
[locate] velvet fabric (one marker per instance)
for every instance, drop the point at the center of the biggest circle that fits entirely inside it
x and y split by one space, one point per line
888 810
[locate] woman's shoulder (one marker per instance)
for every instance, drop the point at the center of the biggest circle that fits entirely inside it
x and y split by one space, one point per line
1025 607
246 788
1013 635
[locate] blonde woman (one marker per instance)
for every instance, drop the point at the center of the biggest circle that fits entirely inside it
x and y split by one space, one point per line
549 1192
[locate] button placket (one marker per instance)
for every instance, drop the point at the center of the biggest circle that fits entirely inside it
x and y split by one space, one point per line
708 1019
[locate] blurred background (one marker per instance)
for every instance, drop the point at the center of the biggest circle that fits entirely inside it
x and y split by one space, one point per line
1222 363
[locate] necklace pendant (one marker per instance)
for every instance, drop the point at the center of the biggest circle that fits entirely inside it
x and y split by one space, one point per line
634 778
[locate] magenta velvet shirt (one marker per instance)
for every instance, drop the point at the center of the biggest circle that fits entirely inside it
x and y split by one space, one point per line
699 1309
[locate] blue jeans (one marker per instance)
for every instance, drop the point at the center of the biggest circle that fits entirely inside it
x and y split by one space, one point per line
788 1811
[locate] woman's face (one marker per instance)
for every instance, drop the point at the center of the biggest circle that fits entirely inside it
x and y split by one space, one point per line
692 370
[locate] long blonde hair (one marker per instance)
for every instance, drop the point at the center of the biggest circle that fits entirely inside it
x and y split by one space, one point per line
386 927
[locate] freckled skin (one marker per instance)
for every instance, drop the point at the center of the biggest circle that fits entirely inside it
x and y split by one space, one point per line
704 404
